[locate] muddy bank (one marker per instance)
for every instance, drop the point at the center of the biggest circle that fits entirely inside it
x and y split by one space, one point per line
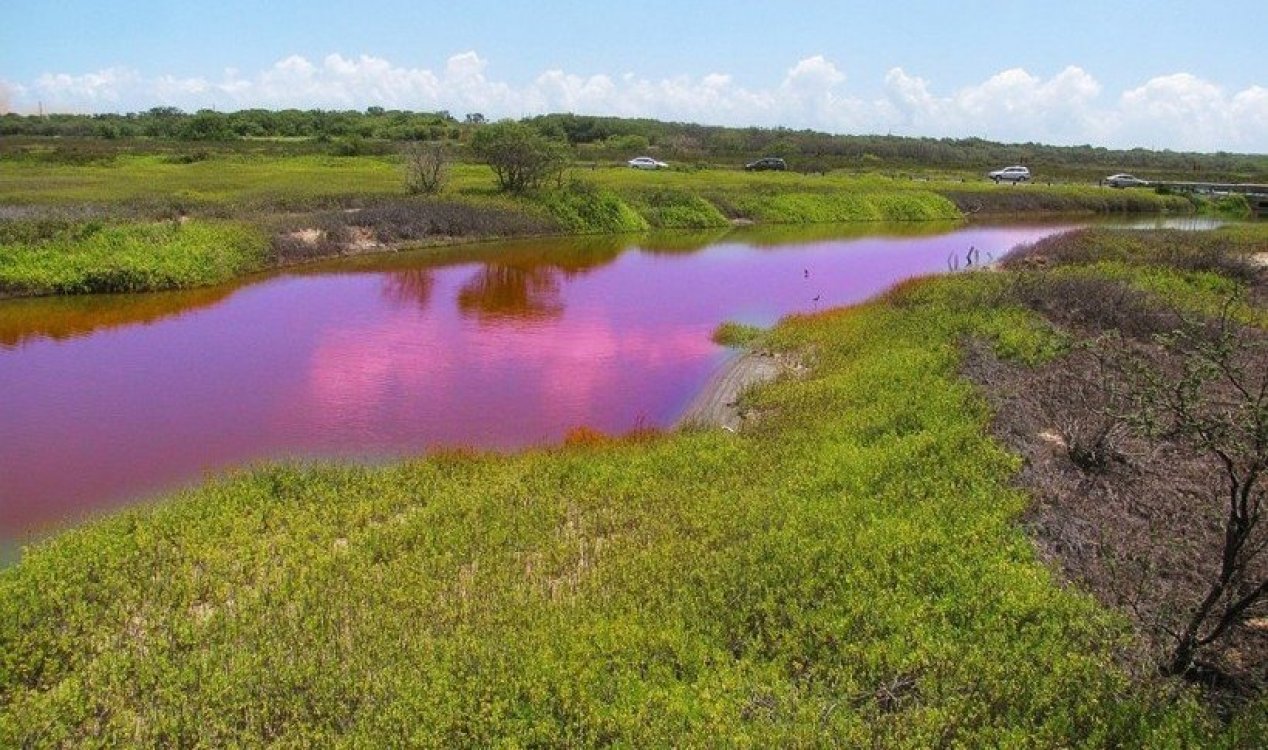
717 405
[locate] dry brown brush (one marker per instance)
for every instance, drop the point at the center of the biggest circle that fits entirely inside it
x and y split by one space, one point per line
1145 449
395 223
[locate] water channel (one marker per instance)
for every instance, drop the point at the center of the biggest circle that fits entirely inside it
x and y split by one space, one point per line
110 399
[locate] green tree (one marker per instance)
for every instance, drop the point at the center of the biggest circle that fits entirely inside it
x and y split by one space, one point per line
628 143
520 156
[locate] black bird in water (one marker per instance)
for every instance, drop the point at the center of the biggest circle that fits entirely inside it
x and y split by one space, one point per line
805 272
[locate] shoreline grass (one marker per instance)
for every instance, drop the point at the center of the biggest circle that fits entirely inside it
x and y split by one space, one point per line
848 571
94 257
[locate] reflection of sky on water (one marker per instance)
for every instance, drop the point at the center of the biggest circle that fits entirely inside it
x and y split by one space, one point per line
494 348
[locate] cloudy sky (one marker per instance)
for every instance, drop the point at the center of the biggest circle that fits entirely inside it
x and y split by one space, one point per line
1158 74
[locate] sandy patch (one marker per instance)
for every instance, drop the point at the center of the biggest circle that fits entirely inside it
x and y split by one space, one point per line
362 239
717 405
308 236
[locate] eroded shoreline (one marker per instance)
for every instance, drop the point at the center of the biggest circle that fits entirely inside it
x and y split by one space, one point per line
717 404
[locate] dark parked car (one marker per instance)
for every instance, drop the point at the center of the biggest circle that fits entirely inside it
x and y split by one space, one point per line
770 162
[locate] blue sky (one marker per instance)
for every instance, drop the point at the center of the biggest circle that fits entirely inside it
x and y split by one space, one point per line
1155 74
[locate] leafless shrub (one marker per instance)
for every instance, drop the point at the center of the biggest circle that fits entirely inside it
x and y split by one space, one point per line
1207 389
1145 456
426 167
1089 415
397 222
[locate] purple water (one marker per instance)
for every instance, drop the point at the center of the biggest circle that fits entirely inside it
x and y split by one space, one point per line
108 399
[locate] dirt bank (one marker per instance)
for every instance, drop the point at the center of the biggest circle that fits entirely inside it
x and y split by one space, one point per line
717 405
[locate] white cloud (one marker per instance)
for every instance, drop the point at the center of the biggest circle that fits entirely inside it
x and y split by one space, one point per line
814 74
1185 112
1177 111
91 90
1012 105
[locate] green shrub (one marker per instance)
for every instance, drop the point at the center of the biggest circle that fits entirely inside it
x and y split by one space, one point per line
582 208
678 209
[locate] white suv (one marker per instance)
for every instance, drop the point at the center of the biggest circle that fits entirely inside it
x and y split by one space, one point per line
1010 174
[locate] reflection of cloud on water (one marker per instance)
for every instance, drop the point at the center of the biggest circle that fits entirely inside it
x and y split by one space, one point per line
353 372
442 386
588 367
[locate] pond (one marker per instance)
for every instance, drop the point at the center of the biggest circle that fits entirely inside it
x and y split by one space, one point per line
109 399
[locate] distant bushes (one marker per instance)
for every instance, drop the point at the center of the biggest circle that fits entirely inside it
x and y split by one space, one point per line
522 159
620 138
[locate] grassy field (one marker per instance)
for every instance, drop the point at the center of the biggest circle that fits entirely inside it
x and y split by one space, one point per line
241 181
848 571
270 181
51 209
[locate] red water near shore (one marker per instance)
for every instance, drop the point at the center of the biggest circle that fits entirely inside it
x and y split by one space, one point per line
109 399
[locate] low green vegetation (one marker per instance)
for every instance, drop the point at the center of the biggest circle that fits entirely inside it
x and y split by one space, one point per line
676 208
583 208
841 207
737 334
849 570
97 257
239 183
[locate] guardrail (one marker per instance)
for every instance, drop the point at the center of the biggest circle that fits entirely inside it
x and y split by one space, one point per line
1256 195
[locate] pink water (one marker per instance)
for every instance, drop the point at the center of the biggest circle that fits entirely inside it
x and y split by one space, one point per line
108 399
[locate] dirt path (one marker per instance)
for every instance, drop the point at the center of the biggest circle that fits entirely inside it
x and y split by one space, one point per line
715 405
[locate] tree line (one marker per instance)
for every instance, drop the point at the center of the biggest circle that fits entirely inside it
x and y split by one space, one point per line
600 137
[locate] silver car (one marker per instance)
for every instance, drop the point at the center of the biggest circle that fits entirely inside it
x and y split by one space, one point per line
647 162
1010 174
1124 181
